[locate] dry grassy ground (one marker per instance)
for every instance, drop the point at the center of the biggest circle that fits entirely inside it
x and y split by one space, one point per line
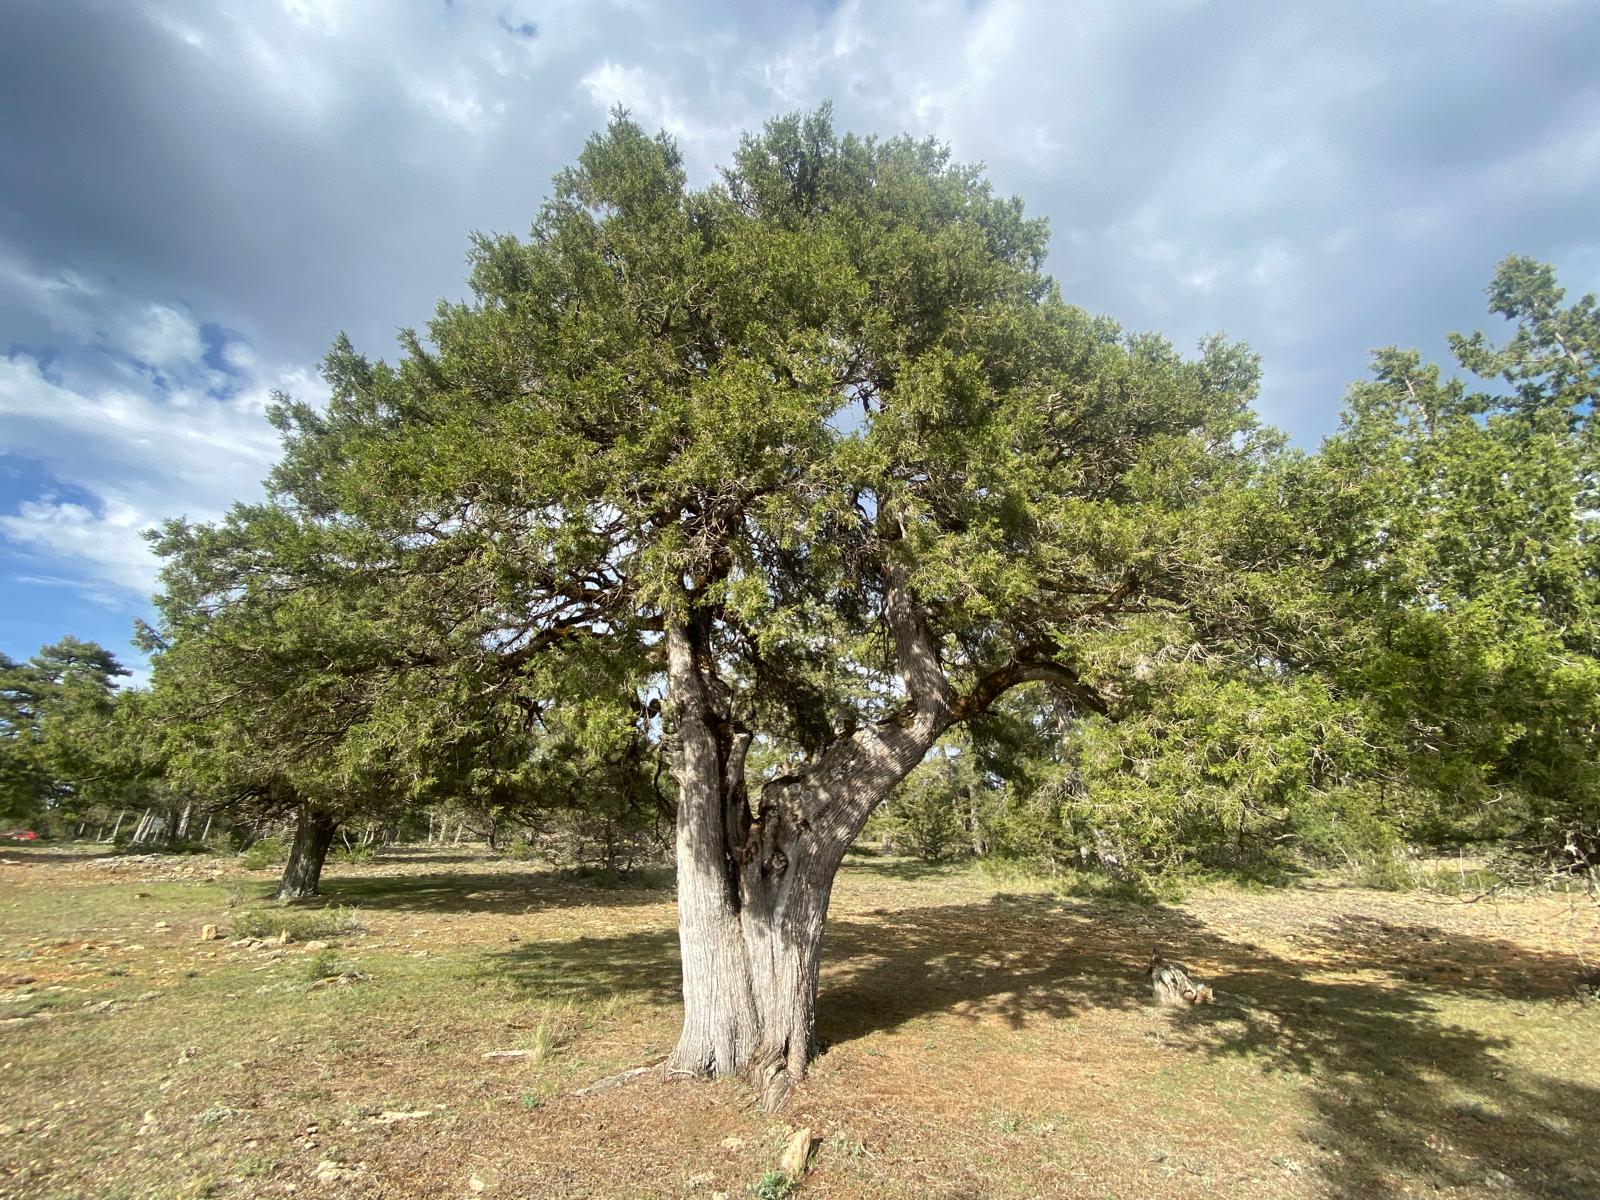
984 1040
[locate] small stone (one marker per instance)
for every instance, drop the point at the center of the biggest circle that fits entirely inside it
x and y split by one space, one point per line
209 933
331 1171
161 925
313 947
732 1143
389 1118
797 1154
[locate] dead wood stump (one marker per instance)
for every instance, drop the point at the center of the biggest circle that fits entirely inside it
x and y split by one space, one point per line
1172 985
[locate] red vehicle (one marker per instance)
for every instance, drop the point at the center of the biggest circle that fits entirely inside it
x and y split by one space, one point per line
21 835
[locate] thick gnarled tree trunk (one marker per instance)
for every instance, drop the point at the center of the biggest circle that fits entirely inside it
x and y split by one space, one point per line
313 834
755 879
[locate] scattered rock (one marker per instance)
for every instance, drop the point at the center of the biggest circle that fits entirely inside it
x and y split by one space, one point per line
389 1118
486 1179
342 979
797 1154
313 947
732 1143
209 933
331 1171
161 925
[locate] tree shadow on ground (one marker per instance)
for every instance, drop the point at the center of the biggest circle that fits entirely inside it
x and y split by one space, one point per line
642 965
487 891
1404 1095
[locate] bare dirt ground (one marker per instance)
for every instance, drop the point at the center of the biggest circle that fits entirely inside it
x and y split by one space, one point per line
983 1040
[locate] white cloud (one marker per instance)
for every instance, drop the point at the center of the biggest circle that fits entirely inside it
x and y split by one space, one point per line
162 336
127 450
108 544
650 100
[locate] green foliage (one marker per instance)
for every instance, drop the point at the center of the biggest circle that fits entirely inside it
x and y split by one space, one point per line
927 816
59 758
1424 667
737 406
301 926
747 412
1461 556
268 852
324 964
774 1185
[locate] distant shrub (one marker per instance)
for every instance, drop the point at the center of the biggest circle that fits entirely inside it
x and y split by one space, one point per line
265 853
300 925
353 854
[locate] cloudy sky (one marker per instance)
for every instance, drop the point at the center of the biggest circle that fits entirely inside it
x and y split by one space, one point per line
196 196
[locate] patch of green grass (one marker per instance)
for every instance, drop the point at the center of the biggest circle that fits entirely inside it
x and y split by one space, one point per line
27 1004
1083 884
1398 871
774 1185
322 965
1005 1120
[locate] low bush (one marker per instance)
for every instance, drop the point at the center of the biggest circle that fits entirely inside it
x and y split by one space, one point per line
300 925
258 856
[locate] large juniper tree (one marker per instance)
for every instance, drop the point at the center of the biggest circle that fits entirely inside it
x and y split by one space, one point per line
820 454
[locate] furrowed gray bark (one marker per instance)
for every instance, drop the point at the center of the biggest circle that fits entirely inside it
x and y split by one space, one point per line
302 873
